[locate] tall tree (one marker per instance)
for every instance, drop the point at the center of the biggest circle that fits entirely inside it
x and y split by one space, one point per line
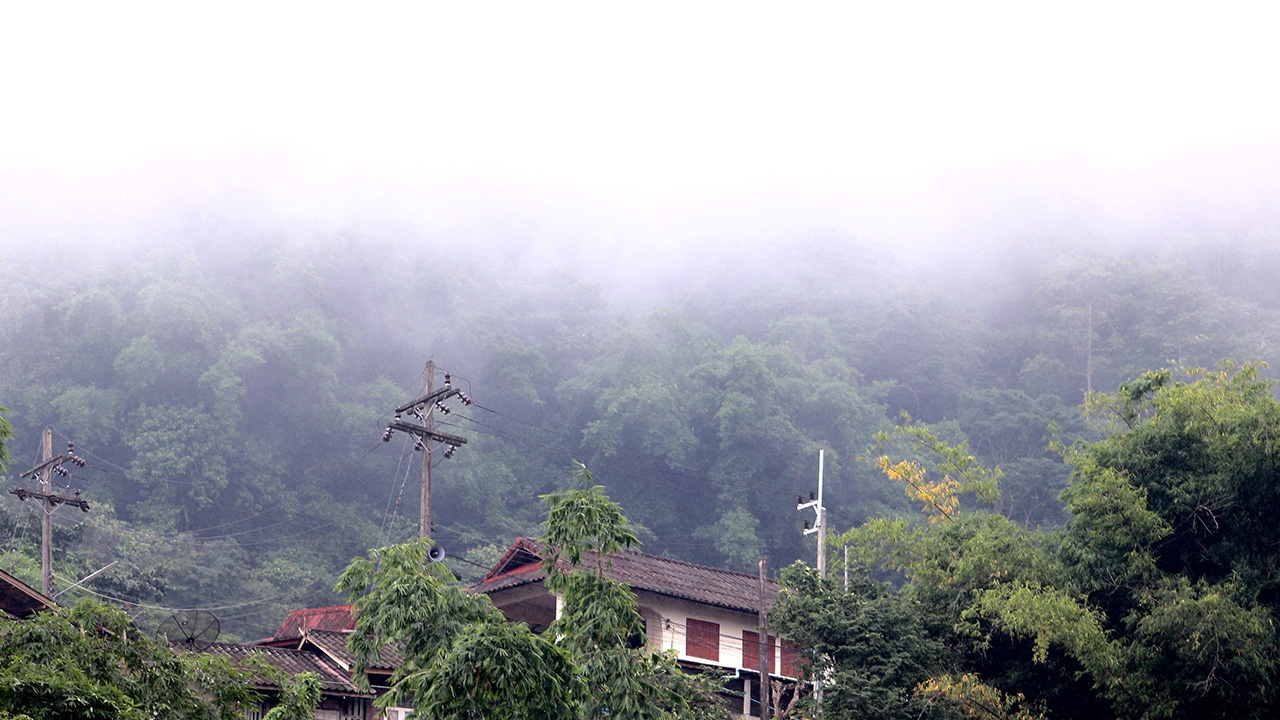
868 645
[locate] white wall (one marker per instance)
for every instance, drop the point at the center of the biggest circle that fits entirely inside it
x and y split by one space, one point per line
673 614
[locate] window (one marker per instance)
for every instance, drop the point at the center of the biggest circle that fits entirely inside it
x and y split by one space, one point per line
352 709
253 713
702 639
635 642
751 651
790 659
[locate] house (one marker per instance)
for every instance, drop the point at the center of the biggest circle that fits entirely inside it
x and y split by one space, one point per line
322 633
19 600
340 699
707 615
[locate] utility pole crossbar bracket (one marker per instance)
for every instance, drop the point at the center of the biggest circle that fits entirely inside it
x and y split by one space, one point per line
423 408
431 397
49 500
820 522
53 499
51 462
423 432
802 506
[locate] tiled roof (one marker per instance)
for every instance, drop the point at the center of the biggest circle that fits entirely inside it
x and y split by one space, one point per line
291 662
664 576
336 617
334 644
20 599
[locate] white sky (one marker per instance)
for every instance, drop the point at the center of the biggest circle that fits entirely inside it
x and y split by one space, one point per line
630 120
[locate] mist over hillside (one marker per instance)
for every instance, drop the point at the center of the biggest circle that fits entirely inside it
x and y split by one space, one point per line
229 378
687 246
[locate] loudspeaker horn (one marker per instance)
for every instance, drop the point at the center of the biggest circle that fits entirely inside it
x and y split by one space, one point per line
435 554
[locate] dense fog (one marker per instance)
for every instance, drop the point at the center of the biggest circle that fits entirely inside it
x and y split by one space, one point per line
687 254
229 376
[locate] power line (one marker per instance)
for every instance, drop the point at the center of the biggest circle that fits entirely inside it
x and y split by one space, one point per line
154 606
423 408
498 433
272 507
667 471
740 482
178 537
387 513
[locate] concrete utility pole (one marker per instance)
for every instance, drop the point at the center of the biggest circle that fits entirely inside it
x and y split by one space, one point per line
820 521
820 527
766 686
46 517
43 472
424 513
846 568
422 408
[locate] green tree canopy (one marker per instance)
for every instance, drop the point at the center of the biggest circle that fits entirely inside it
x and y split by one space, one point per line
89 662
1158 598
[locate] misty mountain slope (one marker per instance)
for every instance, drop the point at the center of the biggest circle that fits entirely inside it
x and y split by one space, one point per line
230 397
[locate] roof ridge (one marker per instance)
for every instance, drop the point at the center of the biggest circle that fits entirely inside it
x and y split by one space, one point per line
696 565
531 545
521 543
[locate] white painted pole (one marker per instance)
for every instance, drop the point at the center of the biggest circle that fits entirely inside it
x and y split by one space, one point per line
822 522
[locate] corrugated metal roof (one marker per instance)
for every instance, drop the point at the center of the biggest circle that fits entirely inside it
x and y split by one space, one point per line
335 617
664 576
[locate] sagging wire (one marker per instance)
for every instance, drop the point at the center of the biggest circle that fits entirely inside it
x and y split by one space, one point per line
382 532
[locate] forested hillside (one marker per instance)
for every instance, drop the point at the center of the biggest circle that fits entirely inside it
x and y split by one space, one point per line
230 394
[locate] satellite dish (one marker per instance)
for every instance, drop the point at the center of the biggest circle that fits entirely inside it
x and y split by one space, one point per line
435 554
190 629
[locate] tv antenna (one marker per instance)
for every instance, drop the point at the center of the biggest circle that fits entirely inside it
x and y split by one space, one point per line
190 629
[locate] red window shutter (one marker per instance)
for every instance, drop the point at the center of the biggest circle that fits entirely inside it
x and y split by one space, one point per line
702 639
751 651
790 659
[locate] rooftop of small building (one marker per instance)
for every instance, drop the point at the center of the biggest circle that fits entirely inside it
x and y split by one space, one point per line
291 662
338 618
334 644
522 565
19 599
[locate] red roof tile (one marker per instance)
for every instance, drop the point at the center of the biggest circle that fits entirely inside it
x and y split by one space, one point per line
664 576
